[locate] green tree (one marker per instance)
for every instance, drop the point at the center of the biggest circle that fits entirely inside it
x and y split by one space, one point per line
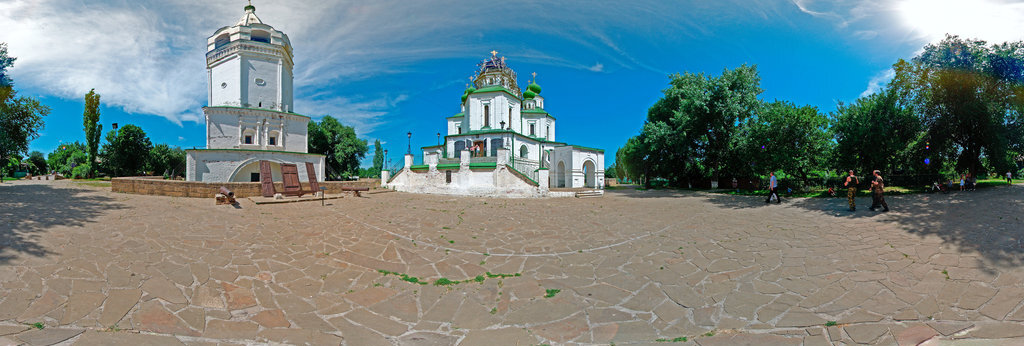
339 144
970 97
127 151
783 137
66 157
689 131
36 163
167 161
378 158
93 128
878 132
21 118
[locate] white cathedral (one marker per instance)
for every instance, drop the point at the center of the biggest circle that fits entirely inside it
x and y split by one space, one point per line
502 143
250 116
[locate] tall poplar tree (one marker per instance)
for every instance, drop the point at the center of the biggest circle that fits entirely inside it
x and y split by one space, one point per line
93 128
378 158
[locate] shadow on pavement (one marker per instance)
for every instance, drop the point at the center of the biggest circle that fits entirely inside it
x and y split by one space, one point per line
989 221
27 210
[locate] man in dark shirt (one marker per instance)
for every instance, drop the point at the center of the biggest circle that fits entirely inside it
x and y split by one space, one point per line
877 188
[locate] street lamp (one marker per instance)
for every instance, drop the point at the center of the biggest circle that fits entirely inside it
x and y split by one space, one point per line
385 159
409 135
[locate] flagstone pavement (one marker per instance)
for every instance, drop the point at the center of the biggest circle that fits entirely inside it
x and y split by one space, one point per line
91 267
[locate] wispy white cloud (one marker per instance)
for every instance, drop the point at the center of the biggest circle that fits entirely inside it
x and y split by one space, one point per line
146 56
878 82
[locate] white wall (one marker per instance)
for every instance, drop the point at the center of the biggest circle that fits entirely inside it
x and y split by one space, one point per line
225 127
225 82
466 182
235 165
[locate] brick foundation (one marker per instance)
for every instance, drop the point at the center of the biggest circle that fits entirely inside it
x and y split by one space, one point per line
157 186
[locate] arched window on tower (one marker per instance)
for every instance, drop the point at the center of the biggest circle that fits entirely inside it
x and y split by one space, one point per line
222 40
487 115
523 151
260 36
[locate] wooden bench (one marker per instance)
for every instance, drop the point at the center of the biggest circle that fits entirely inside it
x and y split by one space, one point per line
355 190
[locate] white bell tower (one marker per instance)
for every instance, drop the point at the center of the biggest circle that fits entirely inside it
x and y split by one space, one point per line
250 65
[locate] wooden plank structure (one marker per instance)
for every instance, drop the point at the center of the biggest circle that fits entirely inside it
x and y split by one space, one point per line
314 185
266 179
290 175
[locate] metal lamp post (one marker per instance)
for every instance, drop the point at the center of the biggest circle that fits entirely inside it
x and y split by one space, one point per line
409 135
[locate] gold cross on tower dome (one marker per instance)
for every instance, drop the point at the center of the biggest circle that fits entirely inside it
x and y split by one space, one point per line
494 53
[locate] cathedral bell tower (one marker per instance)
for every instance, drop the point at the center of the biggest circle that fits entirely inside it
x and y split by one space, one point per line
250 65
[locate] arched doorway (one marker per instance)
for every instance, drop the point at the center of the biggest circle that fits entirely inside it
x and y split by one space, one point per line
560 174
250 172
459 147
495 145
589 174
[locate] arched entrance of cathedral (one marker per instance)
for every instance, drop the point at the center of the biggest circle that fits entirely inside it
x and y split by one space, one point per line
250 172
589 174
560 174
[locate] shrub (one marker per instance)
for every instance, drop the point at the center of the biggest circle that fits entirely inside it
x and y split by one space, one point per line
81 171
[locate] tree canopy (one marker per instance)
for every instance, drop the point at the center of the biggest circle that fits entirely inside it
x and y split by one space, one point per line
969 95
90 120
339 144
21 118
127 151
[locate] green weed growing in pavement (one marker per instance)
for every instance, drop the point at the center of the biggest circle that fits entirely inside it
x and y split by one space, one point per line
444 282
945 273
483 262
446 227
479 279
492 276
494 311
710 333
403 277
377 284
451 242
551 292
830 323
679 339
38 325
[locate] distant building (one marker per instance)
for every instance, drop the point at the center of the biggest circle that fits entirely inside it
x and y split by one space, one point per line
502 142
250 116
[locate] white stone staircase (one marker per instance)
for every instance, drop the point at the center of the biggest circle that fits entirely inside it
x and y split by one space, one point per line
590 194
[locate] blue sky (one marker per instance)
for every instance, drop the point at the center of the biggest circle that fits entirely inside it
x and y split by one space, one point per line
391 67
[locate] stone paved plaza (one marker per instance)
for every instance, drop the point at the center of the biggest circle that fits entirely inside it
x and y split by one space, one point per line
633 267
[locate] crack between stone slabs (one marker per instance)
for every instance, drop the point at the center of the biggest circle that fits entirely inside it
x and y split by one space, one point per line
428 244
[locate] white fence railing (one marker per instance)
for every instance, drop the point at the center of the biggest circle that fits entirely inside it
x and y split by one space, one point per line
526 167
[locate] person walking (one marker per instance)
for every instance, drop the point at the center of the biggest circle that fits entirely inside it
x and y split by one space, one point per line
1009 177
877 188
773 186
851 189
961 182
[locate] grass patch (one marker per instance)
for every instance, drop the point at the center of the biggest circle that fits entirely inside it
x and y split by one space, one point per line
830 323
444 282
551 292
37 325
93 183
403 277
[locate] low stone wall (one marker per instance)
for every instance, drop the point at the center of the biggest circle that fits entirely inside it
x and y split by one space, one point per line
158 186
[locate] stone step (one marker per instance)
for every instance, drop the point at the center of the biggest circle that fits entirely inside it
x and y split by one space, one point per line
589 194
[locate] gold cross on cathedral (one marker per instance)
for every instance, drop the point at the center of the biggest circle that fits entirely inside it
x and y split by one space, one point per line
494 53
534 74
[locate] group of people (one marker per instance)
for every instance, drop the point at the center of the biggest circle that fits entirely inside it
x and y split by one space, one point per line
877 191
851 182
